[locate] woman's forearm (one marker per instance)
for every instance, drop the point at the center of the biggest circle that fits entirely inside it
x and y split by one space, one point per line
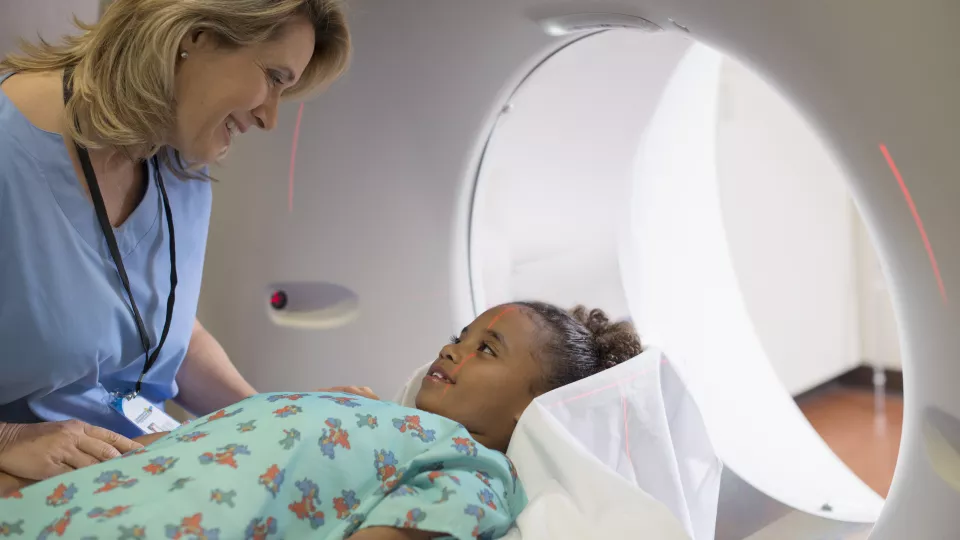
8 434
207 379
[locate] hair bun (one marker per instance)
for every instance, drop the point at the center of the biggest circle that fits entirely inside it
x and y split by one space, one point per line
616 342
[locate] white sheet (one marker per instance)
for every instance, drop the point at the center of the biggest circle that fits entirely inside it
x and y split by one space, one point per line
610 456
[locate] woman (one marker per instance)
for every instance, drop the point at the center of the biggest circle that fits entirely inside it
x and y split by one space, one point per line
104 210
341 466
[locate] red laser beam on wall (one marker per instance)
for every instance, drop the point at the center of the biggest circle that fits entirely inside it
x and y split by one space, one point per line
293 159
916 218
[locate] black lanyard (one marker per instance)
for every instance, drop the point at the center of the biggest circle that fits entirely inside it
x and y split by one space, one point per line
107 229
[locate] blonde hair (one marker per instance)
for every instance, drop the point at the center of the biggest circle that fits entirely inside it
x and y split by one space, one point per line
124 64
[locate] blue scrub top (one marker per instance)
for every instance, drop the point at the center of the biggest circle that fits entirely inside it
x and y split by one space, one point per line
67 332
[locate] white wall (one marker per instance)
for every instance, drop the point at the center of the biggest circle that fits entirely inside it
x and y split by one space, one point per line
789 222
879 334
50 18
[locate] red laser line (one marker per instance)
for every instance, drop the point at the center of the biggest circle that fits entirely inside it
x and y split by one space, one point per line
623 402
916 218
293 159
489 326
616 384
497 318
454 372
601 389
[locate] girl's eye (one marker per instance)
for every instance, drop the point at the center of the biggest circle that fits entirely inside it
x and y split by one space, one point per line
488 349
454 340
275 78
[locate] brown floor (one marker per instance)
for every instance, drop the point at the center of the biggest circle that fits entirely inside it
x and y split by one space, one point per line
867 443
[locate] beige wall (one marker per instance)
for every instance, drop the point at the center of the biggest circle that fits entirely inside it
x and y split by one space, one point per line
28 18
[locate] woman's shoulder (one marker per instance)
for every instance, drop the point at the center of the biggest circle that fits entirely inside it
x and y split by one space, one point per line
34 99
14 133
17 151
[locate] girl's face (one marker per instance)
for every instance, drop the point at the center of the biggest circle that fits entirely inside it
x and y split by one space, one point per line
487 375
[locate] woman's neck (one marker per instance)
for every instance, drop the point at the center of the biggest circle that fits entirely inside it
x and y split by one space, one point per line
110 161
122 182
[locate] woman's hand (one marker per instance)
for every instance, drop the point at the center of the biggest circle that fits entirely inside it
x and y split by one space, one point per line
39 451
147 440
11 484
363 391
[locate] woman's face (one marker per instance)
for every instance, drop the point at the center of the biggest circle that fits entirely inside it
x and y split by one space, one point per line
222 92
487 375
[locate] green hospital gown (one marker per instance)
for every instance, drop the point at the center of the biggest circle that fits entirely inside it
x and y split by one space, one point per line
317 465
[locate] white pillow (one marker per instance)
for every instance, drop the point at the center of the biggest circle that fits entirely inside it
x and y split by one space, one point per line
614 440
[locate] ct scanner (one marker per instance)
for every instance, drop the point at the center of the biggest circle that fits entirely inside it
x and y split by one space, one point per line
372 245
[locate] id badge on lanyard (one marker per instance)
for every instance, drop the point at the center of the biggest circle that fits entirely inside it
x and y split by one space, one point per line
143 414
138 410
